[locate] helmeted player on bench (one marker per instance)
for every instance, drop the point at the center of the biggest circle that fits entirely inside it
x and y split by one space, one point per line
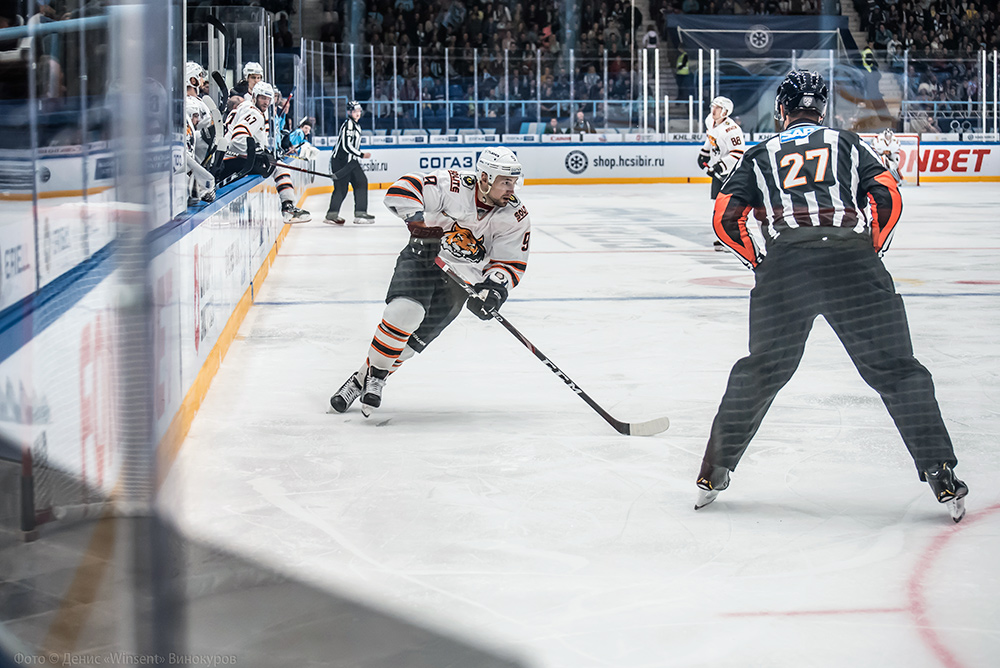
473 222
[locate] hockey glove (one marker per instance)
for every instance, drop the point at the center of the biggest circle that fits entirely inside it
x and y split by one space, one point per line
489 297
719 170
702 161
264 163
425 242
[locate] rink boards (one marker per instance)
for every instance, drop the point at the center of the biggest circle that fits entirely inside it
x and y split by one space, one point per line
574 162
59 361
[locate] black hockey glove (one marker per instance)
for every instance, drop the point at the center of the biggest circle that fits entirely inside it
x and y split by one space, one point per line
719 170
425 242
702 161
264 163
489 297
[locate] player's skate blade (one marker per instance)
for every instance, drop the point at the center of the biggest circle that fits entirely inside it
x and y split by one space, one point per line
711 480
948 489
345 396
957 509
705 497
371 396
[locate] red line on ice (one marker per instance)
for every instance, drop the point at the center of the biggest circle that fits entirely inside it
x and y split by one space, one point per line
917 606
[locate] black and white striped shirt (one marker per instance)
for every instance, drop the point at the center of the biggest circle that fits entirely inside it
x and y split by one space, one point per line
805 185
348 143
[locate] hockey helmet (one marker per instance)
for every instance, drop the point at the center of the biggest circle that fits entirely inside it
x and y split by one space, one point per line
801 90
354 105
498 161
263 89
888 134
194 74
723 103
252 68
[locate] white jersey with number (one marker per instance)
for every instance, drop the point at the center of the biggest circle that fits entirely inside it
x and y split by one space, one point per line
247 121
479 240
724 144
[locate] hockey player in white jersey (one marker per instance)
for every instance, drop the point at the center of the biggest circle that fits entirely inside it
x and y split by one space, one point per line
473 222
723 148
201 183
252 120
886 146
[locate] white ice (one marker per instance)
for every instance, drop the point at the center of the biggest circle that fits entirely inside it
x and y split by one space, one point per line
487 499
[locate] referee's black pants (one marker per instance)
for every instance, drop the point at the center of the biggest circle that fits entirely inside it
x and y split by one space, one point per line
854 292
352 174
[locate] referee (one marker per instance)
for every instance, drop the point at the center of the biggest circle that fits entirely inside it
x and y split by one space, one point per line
827 208
347 170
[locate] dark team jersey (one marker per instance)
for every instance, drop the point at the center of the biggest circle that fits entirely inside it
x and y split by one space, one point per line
808 185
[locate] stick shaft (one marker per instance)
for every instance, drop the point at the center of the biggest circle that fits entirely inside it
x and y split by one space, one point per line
619 426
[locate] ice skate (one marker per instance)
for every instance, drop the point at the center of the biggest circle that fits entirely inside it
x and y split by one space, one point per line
363 218
711 481
346 395
948 489
371 397
717 245
292 214
333 218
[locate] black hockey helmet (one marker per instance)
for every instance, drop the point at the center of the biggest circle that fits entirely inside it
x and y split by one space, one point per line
801 89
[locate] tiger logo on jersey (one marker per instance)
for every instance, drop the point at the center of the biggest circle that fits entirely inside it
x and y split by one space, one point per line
462 243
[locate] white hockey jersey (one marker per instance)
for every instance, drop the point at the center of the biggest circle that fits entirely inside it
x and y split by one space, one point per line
246 121
886 149
479 240
724 144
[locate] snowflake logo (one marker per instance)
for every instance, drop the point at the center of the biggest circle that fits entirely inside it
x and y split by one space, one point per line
758 38
576 162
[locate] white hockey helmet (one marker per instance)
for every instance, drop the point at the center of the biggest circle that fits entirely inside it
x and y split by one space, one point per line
252 68
263 89
723 103
194 74
498 161
353 104
888 134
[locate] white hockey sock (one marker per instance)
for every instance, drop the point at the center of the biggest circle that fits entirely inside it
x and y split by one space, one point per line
401 317
283 182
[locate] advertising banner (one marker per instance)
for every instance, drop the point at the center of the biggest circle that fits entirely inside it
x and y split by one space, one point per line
638 162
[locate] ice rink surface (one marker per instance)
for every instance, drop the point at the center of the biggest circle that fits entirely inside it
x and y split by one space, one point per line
486 499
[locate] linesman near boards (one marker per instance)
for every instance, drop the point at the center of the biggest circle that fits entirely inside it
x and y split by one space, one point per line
828 208
475 224
346 170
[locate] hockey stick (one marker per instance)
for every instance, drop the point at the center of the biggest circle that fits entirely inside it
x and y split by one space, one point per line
305 171
220 81
647 428
218 25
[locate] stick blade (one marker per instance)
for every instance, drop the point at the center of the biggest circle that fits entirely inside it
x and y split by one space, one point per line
648 428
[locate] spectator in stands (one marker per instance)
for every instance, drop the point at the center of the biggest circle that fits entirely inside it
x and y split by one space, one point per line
581 125
650 39
553 127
